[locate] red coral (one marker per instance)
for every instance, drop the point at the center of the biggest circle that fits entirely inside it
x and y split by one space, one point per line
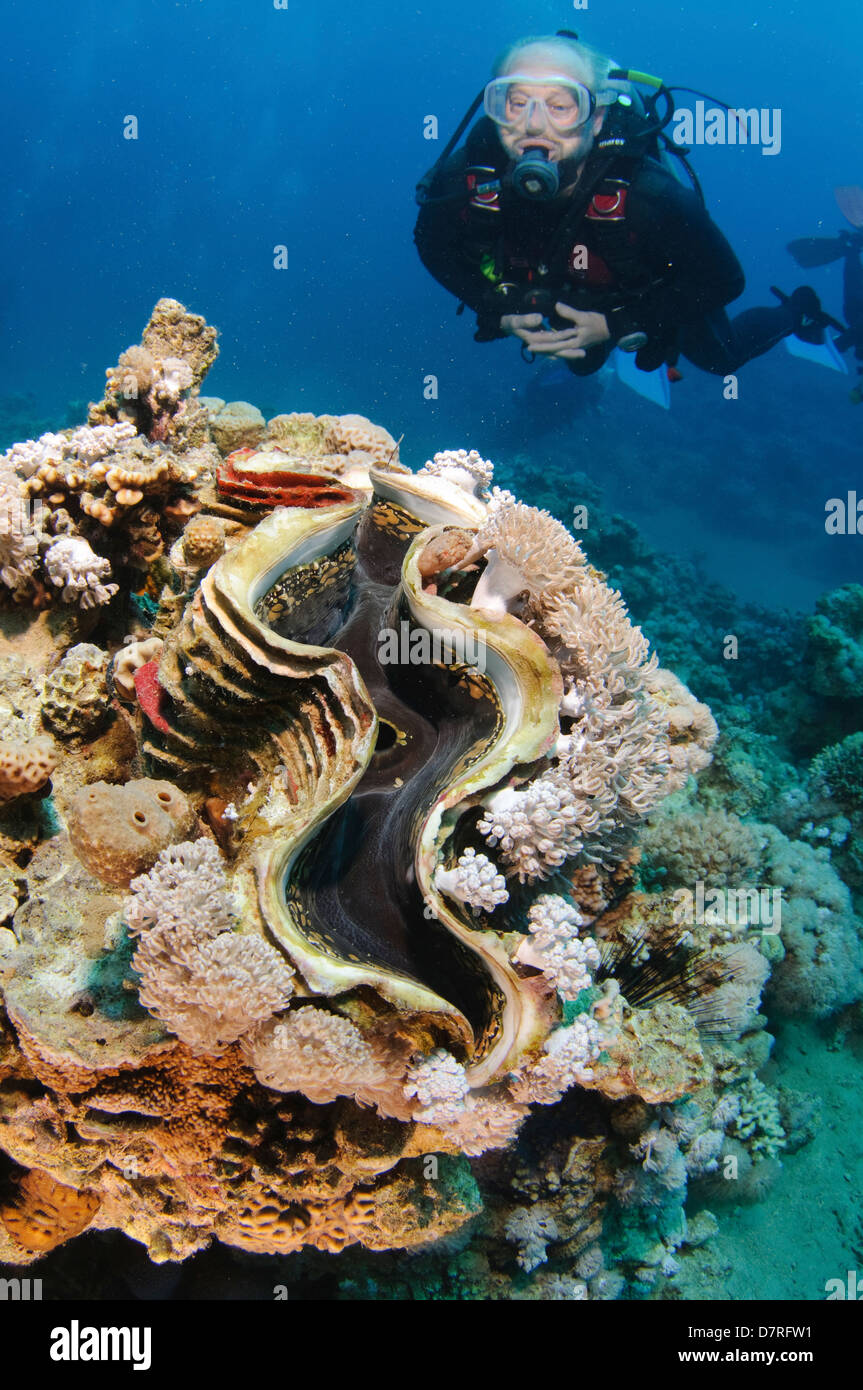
151 697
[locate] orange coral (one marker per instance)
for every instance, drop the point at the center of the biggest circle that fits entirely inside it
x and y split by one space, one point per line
45 1213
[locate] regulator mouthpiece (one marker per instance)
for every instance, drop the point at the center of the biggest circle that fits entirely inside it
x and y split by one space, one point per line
535 176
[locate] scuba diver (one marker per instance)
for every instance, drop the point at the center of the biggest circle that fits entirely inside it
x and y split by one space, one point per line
558 223
817 251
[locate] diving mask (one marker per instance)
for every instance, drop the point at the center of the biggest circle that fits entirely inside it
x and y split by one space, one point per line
519 100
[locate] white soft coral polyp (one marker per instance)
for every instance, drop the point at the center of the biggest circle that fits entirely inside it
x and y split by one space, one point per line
74 567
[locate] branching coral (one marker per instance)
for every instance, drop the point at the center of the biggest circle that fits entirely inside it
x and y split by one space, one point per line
31 536
85 445
74 568
757 1122
125 499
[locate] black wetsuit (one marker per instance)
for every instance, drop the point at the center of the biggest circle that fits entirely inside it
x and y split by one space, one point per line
630 242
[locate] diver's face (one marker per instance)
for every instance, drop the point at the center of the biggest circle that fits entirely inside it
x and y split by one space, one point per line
541 114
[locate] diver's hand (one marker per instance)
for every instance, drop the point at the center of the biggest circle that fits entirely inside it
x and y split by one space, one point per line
569 344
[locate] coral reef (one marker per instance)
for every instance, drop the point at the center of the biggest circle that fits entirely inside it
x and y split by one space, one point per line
354 950
835 652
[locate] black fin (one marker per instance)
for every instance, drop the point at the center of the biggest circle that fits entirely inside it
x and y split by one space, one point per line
811 251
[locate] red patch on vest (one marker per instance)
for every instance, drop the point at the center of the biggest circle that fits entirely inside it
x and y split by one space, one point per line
611 206
485 193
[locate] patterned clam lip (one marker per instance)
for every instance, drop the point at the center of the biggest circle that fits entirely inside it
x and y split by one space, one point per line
528 689
429 498
271 477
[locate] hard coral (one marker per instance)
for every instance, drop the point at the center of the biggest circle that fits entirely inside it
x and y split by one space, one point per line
77 571
835 651
837 773
25 767
150 383
237 425
203 541
75 695
45 1213
119 831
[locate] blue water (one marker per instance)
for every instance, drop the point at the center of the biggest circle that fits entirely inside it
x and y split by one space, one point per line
304 127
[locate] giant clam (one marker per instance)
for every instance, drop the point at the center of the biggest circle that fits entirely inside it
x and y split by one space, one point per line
277 658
